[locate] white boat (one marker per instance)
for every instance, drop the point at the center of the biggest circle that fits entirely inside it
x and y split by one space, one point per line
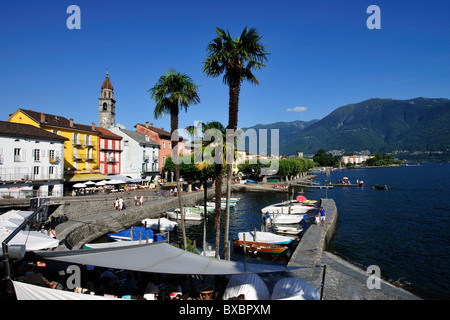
266 237
188 215
288 207
223 205
286 218
161 224
225 199
286 229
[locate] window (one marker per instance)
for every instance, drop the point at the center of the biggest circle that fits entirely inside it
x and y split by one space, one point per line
17 155
37 155
164 144
36 171
51 155
51 170
170 145
105 106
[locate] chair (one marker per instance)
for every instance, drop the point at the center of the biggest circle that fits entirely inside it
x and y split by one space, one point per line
205 291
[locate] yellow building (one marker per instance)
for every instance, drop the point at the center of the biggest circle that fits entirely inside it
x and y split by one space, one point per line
80 152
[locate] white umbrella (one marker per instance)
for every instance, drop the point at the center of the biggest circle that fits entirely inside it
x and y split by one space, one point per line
101 183
79 185
114 181
32 240
89 183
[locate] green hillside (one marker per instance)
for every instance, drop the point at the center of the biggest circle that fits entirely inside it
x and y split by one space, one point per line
406 127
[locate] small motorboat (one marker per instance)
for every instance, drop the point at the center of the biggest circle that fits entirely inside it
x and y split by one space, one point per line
161 224
285 229
136 234
223 205
266 237
378 187
190 214
290 207
285 218
225 199
256 247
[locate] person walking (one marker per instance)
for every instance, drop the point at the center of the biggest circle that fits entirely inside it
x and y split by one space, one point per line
322 215
116 204
141 200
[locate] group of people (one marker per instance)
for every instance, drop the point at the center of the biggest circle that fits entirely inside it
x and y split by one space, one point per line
119 203
138 202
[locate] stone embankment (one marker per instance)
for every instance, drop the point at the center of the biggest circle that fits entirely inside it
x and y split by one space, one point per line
93 218
342 280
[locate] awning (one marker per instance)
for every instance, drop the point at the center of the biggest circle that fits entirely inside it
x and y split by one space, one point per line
25 291
79 177
159 258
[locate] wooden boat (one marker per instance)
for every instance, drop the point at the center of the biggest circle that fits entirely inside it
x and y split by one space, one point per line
262 247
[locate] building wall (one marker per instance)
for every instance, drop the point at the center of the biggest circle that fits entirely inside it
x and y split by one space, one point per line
109 156
25 163
82 145
165 145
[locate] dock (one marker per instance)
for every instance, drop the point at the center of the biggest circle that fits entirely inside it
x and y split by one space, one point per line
343 280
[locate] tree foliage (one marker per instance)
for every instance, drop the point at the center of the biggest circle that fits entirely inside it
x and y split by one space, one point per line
326 159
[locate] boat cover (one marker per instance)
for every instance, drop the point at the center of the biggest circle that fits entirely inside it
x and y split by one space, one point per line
25 291
250 285
164 224
159 257
139 233
294 289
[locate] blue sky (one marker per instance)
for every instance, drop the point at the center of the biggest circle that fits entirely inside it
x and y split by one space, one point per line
323 56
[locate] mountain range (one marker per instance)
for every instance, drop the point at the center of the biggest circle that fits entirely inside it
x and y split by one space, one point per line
412 129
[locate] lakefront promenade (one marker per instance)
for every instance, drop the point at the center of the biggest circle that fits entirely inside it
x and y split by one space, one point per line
89 218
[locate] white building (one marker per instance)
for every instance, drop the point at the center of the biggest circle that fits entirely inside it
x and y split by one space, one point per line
31 161
140 154
354 159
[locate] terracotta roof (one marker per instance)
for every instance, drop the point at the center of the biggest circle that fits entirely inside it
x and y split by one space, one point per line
13 129
107 84
55 121
161 132
104 133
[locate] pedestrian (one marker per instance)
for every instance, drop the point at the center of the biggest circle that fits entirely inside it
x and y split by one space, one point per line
175 192
116 204
322 215
141 200
135 200
120 204
171 192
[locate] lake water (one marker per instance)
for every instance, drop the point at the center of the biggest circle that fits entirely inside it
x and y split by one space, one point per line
404 230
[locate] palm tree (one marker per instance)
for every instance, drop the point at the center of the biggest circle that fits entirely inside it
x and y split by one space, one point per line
235 59
218 168
173 92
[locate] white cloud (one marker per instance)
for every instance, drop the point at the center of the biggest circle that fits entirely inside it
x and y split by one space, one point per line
297 109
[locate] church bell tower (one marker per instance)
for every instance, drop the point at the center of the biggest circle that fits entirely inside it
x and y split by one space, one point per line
107 105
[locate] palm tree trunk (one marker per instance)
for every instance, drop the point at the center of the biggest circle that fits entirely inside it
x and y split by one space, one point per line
232 125
218 210
173 127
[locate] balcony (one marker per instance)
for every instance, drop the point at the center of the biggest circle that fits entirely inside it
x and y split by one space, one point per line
111 160
54 160
77 143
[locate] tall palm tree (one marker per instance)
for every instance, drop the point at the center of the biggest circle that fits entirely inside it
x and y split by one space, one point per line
218 168
173 92
235 59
